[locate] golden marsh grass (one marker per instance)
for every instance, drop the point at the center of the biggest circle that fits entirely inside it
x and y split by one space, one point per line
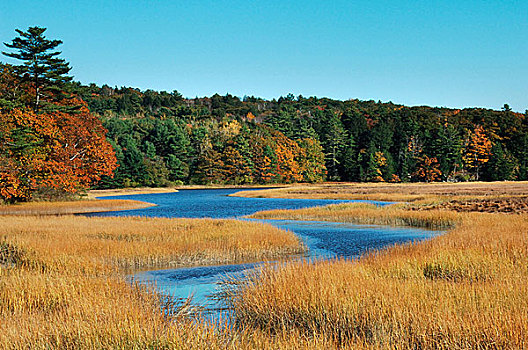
467 289
136 242
61 285
363 213
409 192
71 207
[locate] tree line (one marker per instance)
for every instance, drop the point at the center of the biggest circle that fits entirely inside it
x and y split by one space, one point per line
349 140
62 136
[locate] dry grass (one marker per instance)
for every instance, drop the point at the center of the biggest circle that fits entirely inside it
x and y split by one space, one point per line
466 289
413 192
92 194
361 213
60 285
71 207
73 242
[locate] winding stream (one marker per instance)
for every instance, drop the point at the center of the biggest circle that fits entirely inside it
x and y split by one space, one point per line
324 239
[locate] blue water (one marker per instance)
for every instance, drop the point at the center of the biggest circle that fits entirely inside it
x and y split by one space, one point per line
324 239
213 204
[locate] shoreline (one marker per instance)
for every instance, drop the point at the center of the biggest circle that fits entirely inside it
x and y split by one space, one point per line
173 189
72 207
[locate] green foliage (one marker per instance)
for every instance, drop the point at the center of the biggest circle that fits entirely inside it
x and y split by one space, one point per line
223 139
42 72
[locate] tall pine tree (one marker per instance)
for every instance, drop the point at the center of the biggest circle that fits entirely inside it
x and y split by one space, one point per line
42 69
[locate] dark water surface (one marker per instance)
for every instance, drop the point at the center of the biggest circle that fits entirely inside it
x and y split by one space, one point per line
324 239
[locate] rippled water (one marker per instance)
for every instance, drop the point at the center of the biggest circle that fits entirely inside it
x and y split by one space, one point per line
212 203
324 239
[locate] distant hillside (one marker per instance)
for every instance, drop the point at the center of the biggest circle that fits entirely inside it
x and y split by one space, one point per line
161 137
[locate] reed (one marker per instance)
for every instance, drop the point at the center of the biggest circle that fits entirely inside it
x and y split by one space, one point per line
361 213
62 285
136 242
423 193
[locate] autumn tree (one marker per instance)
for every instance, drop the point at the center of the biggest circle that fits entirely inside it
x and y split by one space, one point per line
377 163
427 169
51 153
42 71
311 160
477 151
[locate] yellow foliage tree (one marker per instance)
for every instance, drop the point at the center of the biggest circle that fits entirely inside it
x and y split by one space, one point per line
477 151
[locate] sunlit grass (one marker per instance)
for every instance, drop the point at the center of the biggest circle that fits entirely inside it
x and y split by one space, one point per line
411 192
361 213
465 289
135 242
71 207
62 285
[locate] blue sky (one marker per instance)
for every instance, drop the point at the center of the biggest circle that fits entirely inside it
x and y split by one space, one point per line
464 53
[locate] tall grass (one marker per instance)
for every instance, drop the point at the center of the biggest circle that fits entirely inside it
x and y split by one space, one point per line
71 207
135 242
360 213
61 285
465 289
412 192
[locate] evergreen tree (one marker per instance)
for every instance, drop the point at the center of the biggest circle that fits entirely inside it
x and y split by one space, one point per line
45 73
447 147
351 163
334 142
501 165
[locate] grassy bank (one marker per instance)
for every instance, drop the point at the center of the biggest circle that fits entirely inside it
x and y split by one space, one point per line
154 190
412 192
92 194
465 289
71 207
61 285
361 213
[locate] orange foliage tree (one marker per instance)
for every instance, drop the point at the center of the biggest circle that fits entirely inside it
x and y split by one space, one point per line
477 151
427 169
51 153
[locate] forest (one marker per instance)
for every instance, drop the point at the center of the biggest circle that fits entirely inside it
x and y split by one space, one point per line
58 136
162 138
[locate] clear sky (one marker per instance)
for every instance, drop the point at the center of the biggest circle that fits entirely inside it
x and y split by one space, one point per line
454 53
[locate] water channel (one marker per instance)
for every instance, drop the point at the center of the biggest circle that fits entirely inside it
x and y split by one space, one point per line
323 239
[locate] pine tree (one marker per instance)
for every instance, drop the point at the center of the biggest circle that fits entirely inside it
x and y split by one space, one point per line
45 73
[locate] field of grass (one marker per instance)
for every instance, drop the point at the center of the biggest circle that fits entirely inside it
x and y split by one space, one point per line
467 289
62 285
363 213
62 279
410 192
71 207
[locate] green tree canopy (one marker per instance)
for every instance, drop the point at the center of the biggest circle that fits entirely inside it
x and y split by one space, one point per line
42 70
